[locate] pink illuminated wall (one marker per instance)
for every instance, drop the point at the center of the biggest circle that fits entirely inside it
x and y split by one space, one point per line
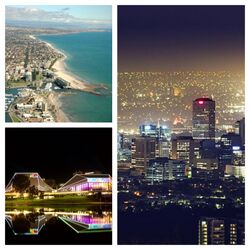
105 186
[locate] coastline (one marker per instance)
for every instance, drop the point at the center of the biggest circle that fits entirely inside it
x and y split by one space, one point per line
76 82
53 100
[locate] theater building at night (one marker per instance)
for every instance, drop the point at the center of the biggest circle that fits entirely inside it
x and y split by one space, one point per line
87 182
34 180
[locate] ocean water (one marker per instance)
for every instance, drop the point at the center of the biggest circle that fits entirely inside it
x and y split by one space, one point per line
89 57
13 91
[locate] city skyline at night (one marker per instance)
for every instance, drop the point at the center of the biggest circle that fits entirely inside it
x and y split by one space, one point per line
170 55
181 125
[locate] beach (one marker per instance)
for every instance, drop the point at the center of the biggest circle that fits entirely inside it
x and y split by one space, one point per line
75 83
53 100
88 98
60 71
32 37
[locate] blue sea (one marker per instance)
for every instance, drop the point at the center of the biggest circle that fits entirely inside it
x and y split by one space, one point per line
13 92
89 57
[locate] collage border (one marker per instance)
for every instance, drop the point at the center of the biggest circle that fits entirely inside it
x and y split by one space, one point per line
113 124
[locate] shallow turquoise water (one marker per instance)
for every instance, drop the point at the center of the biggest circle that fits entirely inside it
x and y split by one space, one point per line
13 92
89 57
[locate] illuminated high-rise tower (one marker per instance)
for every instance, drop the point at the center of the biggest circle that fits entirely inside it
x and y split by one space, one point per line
221 231
203 119
143 149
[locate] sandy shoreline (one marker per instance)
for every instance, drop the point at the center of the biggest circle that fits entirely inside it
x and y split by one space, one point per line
55 49
32 37
53 100
60 71
75 83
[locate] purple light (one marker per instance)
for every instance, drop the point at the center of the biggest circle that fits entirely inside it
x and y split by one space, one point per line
88 220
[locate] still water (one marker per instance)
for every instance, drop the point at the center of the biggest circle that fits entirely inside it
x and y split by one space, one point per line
59 226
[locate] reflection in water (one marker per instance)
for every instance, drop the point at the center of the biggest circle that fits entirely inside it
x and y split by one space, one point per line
83 223
23 223
31 222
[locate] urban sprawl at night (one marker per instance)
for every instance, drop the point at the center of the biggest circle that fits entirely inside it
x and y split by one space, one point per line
181 125
191 171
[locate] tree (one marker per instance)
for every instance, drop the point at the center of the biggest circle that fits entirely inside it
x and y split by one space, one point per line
41 195
20 224
21 183
33 191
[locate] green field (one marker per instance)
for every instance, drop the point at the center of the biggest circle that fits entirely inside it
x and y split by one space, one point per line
19 84
58 201
14 117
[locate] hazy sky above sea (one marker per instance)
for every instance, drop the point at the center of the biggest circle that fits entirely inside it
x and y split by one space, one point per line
166 38
83 16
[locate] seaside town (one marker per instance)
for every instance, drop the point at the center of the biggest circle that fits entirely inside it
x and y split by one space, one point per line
36 69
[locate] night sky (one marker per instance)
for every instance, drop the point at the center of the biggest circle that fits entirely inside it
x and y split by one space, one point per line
166 38
56 153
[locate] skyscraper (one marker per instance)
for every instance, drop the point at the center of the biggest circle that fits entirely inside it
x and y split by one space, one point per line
239 128
143 149
205 168
221 231
153 130
211 231
163 168
242 131
182 148
148 130
203 119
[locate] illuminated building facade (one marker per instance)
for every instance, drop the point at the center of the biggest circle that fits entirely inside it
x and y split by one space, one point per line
163 168
148 130
231 151
87 182
230 140
203 119
32 226
162 135
238 158
211 231
86 223
236 171
34 179
80 221
163 147
240 129
153 130
182 148
220 231
205 168
143 149
78 183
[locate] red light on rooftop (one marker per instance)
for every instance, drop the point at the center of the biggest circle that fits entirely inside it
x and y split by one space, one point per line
200 102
